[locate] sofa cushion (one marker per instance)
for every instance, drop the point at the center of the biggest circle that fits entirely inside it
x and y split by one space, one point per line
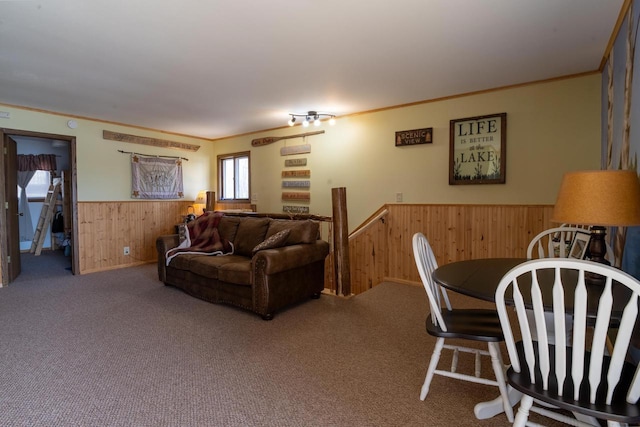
209 266
274 241
301 231
251 231
238 273
182 262
228 227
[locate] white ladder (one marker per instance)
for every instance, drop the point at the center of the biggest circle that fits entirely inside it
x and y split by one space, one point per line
46 215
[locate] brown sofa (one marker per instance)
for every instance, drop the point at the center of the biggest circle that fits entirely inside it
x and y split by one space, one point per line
262 281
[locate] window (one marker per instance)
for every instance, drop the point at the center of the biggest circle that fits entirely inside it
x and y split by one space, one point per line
234 177
38 186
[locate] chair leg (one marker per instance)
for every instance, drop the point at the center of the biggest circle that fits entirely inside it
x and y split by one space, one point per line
433 364
523 411
498 369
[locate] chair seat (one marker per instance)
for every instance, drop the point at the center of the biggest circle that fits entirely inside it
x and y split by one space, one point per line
472 324
620 410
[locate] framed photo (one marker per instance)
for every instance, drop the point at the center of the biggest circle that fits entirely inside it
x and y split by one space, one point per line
580 245
477 150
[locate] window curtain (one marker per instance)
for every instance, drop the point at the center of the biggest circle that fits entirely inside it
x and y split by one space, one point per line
37 162
28 164
24 221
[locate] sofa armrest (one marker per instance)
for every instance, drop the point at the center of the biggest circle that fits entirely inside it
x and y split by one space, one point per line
289 257
163 244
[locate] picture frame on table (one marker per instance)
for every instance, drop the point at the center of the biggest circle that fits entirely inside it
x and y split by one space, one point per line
478 150
579 245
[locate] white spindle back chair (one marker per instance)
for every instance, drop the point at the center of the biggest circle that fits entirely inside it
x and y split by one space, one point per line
554 373
556 243
470 324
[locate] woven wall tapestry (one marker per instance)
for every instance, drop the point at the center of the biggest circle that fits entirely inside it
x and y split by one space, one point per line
156 178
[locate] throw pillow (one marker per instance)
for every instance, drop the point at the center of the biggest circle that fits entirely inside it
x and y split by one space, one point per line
302 231
278 240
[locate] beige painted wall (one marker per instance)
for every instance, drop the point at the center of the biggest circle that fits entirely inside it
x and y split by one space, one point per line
104 174
552 127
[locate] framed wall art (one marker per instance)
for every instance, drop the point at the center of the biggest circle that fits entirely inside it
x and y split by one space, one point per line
477 150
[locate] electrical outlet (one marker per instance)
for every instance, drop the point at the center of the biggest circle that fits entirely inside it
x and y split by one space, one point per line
126 250
398 197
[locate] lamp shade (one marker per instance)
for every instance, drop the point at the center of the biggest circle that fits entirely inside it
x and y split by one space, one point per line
603 198
201 198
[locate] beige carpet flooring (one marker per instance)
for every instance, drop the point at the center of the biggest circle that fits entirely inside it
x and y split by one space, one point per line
119 348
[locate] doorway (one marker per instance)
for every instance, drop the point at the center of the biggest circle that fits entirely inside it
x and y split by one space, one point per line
19 141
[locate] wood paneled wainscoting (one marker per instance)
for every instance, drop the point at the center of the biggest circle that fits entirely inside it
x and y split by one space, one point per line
105 228
379 250
382 250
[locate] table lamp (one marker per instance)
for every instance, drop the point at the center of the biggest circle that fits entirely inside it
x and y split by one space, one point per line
599 198
201 200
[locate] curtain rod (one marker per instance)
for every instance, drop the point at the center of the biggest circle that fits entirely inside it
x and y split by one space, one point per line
153 155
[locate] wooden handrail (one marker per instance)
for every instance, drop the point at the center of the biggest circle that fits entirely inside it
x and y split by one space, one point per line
382 212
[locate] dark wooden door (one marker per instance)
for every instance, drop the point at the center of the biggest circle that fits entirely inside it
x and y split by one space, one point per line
11 198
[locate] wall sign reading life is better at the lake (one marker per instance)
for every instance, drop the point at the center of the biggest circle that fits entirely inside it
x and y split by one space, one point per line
477 150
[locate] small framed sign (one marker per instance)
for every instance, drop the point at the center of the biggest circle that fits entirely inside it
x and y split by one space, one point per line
295 149
297 174
477 150
295 209
414 137
298 184
295 162
296 196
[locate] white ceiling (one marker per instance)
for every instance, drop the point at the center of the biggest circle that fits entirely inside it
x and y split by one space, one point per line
215 68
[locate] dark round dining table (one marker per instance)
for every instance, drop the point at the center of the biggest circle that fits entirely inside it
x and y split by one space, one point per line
476 278
479 278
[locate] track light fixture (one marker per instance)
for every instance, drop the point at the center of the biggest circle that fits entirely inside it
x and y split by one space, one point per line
312 116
